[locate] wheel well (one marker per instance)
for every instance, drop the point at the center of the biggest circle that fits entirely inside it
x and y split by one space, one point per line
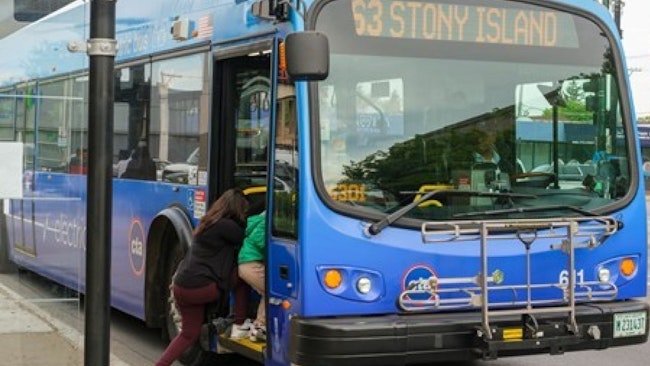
172 227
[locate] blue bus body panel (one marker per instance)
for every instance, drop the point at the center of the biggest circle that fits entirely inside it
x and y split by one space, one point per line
142 29
397 256
58 234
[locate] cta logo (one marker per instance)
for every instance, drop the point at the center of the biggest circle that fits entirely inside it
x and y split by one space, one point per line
136 246
419 280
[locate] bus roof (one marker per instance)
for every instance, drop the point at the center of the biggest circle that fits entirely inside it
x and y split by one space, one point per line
141 30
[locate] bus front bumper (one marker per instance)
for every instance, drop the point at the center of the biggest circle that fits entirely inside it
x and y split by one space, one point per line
408 339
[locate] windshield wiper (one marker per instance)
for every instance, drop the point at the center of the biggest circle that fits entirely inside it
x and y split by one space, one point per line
377 227
528 209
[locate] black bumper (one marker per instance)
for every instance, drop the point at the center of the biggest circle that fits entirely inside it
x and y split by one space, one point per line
409 339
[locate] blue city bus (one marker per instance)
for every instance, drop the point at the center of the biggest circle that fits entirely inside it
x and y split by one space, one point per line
410 154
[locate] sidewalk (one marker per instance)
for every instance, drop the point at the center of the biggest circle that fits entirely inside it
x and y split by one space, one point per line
30 336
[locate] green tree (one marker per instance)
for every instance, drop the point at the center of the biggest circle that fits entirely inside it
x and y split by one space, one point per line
574 108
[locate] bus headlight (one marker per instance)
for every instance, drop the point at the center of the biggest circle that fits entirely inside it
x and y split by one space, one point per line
352 283
621 270
364 285
604 275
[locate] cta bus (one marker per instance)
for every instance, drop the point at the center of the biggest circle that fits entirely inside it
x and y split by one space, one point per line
407 220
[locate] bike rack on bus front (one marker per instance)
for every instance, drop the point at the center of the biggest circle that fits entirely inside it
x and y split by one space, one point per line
436 293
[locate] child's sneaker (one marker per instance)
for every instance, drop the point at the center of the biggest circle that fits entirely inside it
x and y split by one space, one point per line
241 331
258 333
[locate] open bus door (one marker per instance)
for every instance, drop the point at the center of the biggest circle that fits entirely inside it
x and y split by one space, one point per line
266 166
243 116
239 142
238 151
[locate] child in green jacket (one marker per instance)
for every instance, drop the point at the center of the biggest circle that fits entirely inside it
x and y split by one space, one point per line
252 258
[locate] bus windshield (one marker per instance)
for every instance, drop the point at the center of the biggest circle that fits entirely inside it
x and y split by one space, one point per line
464 96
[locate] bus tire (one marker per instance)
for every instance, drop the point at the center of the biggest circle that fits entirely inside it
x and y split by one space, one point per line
6 265
195 355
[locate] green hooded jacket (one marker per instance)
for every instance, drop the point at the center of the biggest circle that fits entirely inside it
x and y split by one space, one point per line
255 241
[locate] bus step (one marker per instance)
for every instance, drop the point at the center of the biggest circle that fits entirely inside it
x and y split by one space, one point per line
245 347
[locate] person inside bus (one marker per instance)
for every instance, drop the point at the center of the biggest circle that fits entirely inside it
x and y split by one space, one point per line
141 166
78 163
76 158
498 172
206 273
251 269
502 173
485 151
123 161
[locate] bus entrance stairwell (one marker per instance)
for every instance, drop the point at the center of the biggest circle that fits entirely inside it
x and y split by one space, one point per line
238 152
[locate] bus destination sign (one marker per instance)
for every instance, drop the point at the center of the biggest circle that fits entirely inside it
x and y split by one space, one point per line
533 27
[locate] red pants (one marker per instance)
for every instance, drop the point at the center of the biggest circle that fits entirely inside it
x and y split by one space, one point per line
242 292
191 304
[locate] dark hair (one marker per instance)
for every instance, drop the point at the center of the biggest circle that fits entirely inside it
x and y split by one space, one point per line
232 205
123 154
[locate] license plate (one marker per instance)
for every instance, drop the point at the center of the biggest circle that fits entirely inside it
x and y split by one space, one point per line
629 324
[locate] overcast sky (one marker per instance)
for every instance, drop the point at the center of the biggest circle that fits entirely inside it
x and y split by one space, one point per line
635 21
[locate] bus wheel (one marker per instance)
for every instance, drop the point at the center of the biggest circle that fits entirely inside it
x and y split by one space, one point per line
173 319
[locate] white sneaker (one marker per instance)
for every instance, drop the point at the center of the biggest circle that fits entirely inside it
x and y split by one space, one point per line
257 333
241 331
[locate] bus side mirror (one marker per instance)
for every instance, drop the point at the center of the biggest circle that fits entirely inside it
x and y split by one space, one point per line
307 56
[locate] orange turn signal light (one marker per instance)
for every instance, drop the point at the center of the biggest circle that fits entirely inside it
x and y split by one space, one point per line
286 305
282 63
333 278
627 266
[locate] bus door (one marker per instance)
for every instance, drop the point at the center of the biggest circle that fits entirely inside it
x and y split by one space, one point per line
239 142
